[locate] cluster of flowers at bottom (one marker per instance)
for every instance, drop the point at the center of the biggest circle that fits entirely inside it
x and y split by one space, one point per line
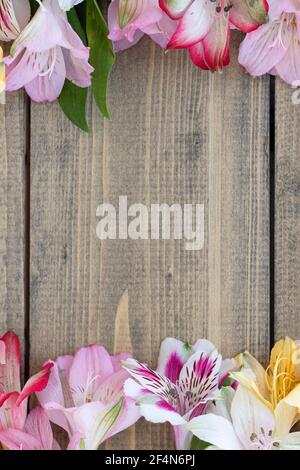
54 42
211 403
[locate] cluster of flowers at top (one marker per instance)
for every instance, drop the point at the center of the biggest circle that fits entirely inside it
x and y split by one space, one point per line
47 49
211 403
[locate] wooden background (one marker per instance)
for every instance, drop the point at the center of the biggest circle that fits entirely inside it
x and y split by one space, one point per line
178 135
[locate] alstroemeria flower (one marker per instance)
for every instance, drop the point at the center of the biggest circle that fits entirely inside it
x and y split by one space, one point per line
280 381
129 20
85 397
275 47
187 378
204 26
46 53
278 387
37 434
14 16
13 400
246 423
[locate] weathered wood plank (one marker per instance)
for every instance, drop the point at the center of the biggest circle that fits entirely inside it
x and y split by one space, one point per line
177 136
287 206
12 164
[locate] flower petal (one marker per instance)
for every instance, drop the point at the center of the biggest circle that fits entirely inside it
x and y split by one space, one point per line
14 439
129 415
112 388
47 86
216 44
12 415
14 15
293 398
175 8
194 25
291 442
36 383
78 70
216 430
251 418
158 385
289 67
10 371
198 57
199 378
68 4
90 368
38 426
286 417
260 51
247 16
173 355
162 31
94 421
247 361
157 410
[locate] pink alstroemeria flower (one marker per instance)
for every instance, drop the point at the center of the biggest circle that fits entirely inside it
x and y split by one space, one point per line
14 16
187 378
85 397
13 400
46 53
275 47
204 27
129 20
37 434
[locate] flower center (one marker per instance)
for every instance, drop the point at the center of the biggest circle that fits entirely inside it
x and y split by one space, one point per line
262 440
50 63
222 6
280 379
284 23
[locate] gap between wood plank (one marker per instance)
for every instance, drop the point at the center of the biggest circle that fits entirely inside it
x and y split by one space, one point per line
27 239
272 172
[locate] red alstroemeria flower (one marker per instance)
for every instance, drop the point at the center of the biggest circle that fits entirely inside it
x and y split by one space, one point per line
204 27
13 400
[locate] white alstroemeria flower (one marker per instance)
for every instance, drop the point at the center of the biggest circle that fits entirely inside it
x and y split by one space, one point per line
66 5
244 422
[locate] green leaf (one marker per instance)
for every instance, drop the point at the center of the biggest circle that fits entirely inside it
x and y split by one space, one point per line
73 103
102 56
197 444
227 382
34 6
73 98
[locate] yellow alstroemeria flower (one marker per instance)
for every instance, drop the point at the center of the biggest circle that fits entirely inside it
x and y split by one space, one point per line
2 78
278 387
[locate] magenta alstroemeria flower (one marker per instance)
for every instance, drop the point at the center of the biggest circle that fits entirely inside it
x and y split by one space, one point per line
204 26
187 378
129 20
85 397
37 434
14 16
46 53
275 47
13 400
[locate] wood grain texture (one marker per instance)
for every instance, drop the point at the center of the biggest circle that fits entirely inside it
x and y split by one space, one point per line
12 164
287 220
177 136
